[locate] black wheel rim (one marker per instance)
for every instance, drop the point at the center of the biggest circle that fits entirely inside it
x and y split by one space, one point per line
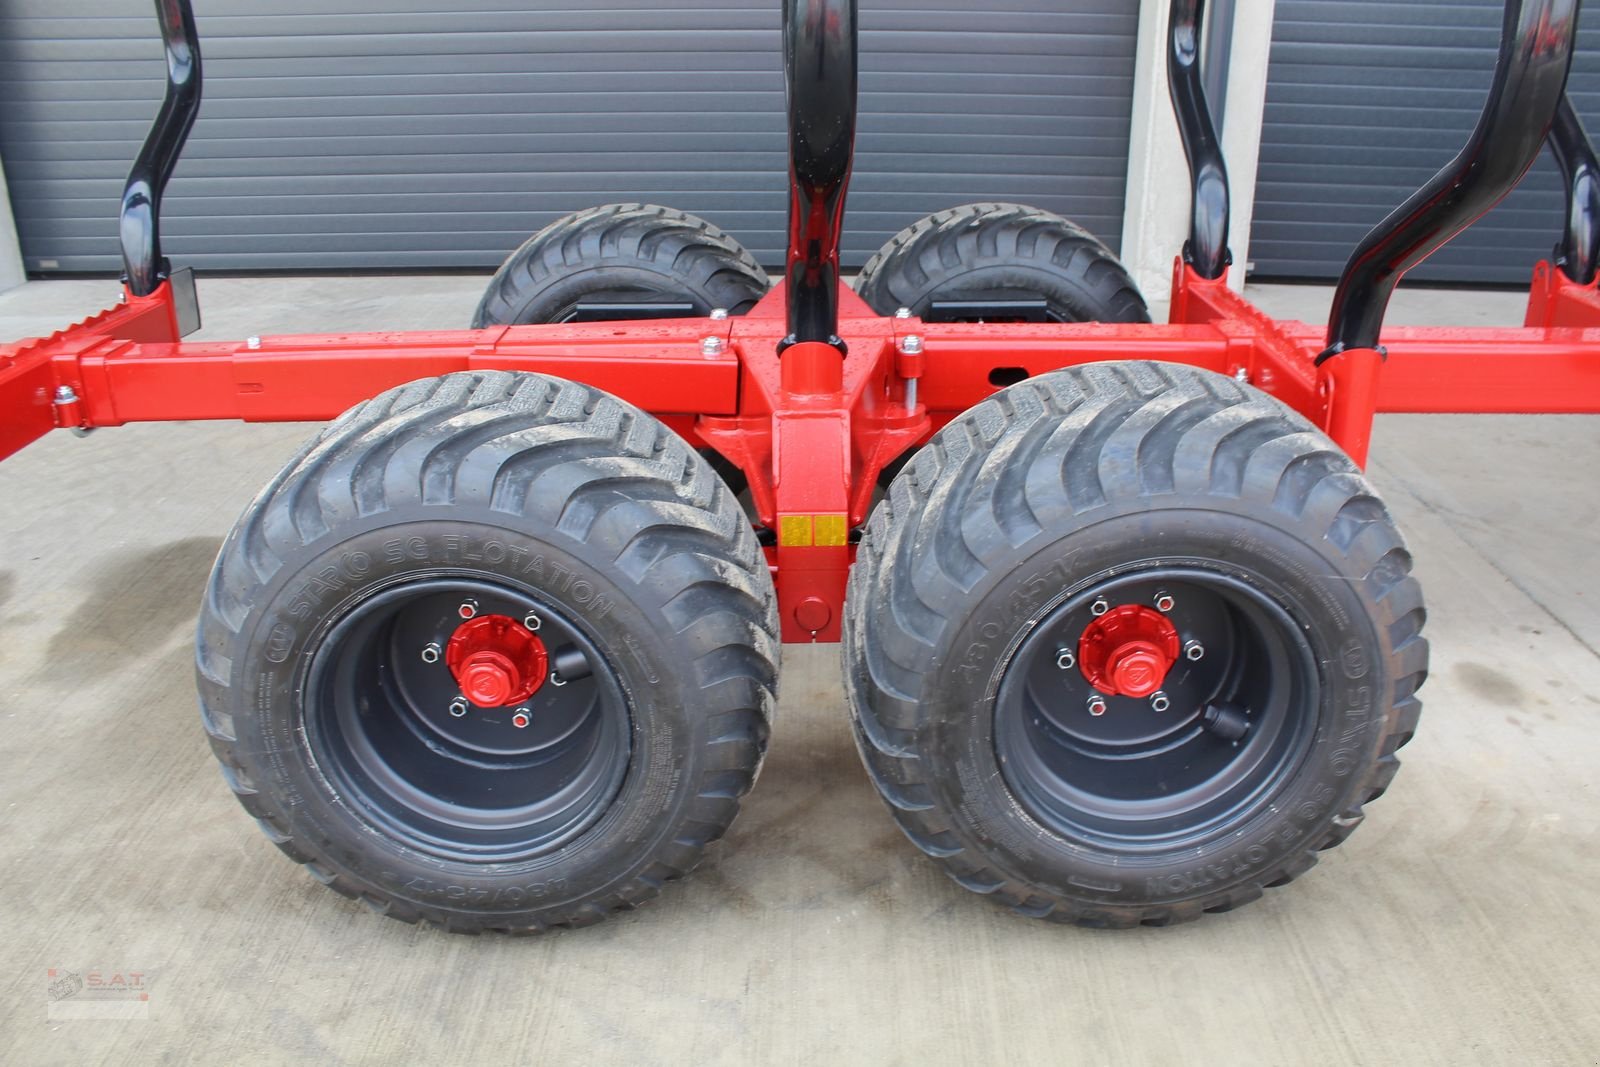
465 785
1137 778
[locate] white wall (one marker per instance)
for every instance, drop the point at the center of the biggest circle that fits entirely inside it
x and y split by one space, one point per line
11 274
1156 217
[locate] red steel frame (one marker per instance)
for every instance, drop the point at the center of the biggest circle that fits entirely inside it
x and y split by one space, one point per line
811 430
811 415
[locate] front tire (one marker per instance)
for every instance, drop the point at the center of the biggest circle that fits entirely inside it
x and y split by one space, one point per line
495 651
1129 643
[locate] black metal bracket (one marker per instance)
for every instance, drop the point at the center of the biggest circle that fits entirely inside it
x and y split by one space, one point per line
1579 249
1207 247
819 64
1530 78
140 220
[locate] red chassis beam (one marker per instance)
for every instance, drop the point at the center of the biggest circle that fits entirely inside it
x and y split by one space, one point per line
811 431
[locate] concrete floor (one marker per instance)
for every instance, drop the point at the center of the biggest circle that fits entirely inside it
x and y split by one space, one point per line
1456 926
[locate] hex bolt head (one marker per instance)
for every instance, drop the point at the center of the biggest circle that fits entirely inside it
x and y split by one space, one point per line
1242 375
1164 601
719 313
1065 660
1099 607
1097 705
252 342
902 313
1193 651
458 708
66 395
521 720
468 609
1159 701
911 344
532 621
430 652
711 346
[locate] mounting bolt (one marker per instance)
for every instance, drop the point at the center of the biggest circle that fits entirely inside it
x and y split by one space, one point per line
532 622
1242 375
1099 607
468 609
458 708
1194 650
902 313
910 345
252 342
66 395
520 719
1164 601
1159 701
1097 705
1065 660
719 313
430 652
711 346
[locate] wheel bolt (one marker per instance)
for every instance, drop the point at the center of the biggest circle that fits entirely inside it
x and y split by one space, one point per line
430 652
468 609
1164 601
1097 705
1194 650
1099 607
520 720
1066 660
532 622
1159 701
458 708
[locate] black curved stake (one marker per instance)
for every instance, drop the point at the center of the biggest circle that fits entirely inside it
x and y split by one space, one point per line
1207 247
1579 249
819 63
1529 80
140 221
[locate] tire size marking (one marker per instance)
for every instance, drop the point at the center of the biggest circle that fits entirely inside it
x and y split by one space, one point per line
478 895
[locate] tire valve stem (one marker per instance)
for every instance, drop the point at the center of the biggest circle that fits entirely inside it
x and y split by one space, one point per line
1226 721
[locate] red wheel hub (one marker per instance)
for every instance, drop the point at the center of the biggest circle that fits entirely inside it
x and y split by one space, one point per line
496 661
1128 651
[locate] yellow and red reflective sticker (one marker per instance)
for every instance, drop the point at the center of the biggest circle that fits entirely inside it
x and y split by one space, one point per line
824 531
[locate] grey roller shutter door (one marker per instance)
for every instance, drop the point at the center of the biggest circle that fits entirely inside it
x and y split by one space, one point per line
1365 101
394 134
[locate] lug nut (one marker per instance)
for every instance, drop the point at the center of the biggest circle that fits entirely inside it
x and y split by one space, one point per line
430 652
1159 701
458 708
468 609
532 622
1097 705
1194 650
1099 607
520 720
1066 660
1164 601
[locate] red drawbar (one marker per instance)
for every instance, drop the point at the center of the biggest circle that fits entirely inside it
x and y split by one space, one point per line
1128 651
496 661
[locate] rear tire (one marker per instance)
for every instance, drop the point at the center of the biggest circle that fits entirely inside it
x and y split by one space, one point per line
1163 494
981 251
330 684
633 253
